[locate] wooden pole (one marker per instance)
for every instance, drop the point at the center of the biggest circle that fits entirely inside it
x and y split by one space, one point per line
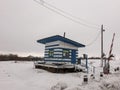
102 30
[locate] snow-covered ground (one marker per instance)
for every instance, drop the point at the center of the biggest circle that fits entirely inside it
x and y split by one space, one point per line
23 76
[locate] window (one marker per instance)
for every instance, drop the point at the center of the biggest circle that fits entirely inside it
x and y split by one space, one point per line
51 53
66 53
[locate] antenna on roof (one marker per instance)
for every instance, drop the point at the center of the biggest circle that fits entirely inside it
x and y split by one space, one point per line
64 34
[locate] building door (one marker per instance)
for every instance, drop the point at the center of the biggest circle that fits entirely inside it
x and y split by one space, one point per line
73 61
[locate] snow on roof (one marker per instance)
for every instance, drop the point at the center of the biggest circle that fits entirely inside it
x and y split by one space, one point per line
60 38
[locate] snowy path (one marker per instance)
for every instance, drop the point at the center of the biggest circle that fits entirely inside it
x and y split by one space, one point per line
23 76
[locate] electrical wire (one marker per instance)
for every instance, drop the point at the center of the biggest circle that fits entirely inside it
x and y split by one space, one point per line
69 14
70 17
94 39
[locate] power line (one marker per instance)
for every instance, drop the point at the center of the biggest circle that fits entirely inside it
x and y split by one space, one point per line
44 4
94 39
69 14
70 17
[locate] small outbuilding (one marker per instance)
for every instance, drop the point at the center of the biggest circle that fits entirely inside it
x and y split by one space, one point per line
59 49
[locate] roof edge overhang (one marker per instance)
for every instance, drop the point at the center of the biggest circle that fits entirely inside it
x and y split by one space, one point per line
60 38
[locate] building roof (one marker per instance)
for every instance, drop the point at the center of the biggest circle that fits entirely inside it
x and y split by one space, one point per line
60 38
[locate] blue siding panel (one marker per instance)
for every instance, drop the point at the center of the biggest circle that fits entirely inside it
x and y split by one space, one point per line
73 61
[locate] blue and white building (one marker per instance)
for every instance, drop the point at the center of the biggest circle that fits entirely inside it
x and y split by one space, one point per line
59 49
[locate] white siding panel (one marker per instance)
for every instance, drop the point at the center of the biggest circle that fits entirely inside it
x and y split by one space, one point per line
57 52
66 45
52 47
57 56
52 43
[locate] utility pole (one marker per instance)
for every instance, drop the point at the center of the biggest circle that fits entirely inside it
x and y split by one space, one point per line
102 30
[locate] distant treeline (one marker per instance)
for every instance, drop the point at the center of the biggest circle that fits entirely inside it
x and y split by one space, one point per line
94 58
111 57
15 57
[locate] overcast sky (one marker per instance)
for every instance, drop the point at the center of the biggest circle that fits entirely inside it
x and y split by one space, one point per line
22 22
